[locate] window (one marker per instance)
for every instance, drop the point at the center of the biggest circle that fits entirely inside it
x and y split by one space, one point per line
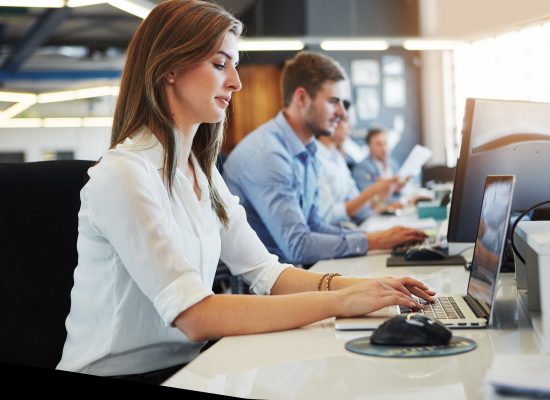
512 66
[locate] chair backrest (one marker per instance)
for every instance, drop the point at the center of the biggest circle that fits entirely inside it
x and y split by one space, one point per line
39 204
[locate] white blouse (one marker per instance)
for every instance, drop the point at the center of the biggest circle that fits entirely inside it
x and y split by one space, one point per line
144 256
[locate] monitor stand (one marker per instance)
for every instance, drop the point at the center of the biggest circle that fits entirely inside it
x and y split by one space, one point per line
456 248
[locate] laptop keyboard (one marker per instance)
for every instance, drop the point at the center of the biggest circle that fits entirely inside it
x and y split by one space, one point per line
443 308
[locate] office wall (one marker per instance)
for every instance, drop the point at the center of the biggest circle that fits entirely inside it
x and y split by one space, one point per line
86 143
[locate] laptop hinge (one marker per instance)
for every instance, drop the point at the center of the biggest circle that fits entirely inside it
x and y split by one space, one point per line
476 307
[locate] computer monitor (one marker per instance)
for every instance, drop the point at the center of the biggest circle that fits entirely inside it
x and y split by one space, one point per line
499 137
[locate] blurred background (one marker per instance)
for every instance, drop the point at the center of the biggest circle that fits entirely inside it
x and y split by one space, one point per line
411 64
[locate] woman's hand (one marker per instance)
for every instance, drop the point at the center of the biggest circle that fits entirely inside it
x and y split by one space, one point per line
373 294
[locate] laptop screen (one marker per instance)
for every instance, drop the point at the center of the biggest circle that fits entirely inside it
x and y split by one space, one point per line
491 236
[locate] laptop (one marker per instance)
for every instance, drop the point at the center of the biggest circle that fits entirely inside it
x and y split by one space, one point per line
475 309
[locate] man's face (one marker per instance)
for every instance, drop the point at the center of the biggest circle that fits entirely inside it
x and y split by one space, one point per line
378 146
323 113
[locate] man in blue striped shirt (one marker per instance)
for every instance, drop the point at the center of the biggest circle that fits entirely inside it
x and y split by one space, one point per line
274 170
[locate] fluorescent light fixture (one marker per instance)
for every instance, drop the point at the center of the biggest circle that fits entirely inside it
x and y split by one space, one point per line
93 92
86 93
53 97
139 8
430 44
33 3
89 122
354 45
270 45
16 97
21 123
83 3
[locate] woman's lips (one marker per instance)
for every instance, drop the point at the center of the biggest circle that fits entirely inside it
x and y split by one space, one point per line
224 100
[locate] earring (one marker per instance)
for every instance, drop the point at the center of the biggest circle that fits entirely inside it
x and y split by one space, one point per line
171 80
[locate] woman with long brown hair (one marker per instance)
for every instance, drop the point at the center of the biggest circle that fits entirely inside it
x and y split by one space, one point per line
156 217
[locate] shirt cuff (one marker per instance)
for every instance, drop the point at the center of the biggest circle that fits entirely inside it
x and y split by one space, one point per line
357 243
264 281
177 297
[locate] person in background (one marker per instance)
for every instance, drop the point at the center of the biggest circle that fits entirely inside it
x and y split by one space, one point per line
156 217
274 170
377 165
339 200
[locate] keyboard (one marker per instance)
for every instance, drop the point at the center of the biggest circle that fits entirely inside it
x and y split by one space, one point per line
443 308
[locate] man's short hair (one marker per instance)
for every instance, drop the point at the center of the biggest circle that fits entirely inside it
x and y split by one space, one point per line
372 133
308 70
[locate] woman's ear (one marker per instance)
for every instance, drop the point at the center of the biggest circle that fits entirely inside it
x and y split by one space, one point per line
171 77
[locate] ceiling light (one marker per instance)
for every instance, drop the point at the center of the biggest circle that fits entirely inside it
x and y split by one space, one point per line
82 3
88 122
354 45
53 97
16 97
21 123
85 93
93 92
140 8
430 44
33 3
270 45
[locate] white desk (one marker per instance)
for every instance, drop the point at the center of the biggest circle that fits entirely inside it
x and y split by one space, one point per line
312 363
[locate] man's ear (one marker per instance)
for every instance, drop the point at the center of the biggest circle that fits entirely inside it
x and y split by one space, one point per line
301 97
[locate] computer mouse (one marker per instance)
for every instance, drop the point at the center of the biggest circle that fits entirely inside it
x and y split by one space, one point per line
411 330
424 253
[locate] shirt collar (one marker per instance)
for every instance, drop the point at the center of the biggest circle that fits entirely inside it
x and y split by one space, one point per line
295 145
147 143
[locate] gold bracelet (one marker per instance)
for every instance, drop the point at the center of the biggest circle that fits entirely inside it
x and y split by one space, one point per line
329 278
321 281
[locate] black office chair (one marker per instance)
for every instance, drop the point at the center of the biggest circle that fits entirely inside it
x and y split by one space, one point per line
39 205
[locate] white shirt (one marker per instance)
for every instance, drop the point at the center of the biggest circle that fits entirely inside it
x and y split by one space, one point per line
145 256
336 187
386 171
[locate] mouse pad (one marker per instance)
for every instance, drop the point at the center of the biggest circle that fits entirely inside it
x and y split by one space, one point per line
399 261
457 345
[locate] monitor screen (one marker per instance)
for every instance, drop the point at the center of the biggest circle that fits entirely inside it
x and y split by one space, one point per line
491 235
499 137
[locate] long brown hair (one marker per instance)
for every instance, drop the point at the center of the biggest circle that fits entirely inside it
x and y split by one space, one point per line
175 35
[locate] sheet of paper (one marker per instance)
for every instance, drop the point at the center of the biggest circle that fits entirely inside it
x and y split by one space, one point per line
414 162
521 372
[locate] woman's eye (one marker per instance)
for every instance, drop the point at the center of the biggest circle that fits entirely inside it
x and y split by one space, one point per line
221 67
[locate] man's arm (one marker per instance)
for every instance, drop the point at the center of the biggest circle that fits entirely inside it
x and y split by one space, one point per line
271 187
